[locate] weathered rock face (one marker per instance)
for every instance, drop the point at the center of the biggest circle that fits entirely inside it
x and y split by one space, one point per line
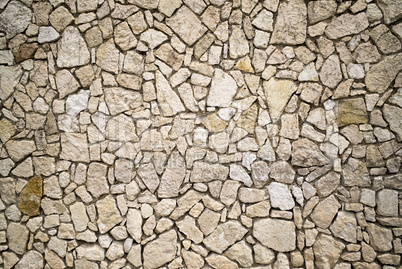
279 235
290 25
30 197
153 257
200 134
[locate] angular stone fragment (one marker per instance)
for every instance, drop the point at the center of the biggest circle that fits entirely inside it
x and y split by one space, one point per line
325 211
17 235
391 115
238 173
352 111
66 83
96 181
30 198
147 4
280 196
108 214
347 24
392 10
91 252
187 226
121 128
380 237
305 153
186 24
168 7
19 149
386 42
220 261
225 235
60 18
217 96
330 73
15 18
242 253
153 38
173 176
149 176
168 100
259 173
320 10
32 260
327 184
74 147
79 216
278 93
327 251
120 100
107 57
47 34
291 23
345 226
276 234
380 76
355 173
238 44
152 254
73 50
123 36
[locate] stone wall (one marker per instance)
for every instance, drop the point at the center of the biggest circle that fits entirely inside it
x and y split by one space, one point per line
200 134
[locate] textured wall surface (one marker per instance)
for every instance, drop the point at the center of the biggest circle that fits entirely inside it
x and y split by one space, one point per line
200 134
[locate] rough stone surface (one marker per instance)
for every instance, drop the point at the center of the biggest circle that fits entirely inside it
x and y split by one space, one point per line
279 235
153 257
30 197
224 236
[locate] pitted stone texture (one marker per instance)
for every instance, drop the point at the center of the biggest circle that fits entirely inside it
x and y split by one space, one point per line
15 18
73 50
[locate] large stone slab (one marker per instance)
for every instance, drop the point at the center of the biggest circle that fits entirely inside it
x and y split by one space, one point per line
305 153
351 111
278 93
325 212
381 75
279 235
9 78
327 251
108 214
223 89
173 176
15 18
160 251
205 172
291 23
74 147
73 50
169 102
224 236
120 100
186 24
347 24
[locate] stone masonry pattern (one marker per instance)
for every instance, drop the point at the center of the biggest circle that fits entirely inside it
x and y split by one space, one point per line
200 134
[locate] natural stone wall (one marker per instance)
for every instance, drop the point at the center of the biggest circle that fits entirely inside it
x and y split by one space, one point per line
200 134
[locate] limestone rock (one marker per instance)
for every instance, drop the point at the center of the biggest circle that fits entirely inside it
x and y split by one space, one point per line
380 237
9 77
30 198
107 57
276 234
278 93
225 235
108 214
173 176
47 34
238 173
327 251
205 172
148 175
19 149
330 73
32 259
186 24
325 212
242 253
380 76
355 173
280 196
73 50
147 4
91 252
392 10
219 261
134 224
344 226
321 10
15 18
238 44
17 236
66 83
305 153
386 42
291 23
391 116
347 24
187 226
169 101
154 257
217 97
